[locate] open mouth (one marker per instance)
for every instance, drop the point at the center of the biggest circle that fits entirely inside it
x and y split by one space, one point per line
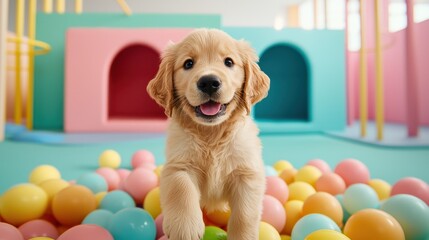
210 109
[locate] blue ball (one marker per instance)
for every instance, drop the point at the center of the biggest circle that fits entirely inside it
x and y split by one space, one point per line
132 224
346 215
93 181
270 171
117 200
310 223
360 196
98 217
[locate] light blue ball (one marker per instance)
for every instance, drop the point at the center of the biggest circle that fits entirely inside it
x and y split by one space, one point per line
117 200
346 215
310 223
132 224
93 181
270 171
98 217
411 212
360 196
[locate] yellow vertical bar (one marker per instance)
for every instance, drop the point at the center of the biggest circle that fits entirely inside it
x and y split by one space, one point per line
3 51
363 86
61 6
379 94
20 5
47 6
32 36
293 16
78 6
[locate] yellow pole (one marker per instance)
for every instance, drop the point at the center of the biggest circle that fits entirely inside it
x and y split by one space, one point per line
47 6
20 5
31 36
123 4
61 6
363 110
78 6
379 94
3 51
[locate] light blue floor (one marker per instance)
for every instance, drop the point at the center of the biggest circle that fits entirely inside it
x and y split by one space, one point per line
388 163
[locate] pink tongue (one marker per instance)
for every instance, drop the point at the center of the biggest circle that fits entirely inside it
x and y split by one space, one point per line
210 108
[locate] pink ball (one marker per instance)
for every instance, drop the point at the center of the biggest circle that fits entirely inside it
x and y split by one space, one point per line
320 164
273 213
9 232
38 228
412 186
149 166
352 171
86 232
139 183
142 156
163 238
277 188
111 176
331 183
158 222
123 173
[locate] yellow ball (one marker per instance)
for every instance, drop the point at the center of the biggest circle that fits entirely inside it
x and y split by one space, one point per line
381 187
288 175
41 238
268 232
23 203
109 158
43 173
281 165
285 237
99 197
326 234
293 210
300 191
152 203
158 170
52 187
308 174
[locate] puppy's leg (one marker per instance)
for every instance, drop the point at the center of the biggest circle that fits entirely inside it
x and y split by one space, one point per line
246 190
183 218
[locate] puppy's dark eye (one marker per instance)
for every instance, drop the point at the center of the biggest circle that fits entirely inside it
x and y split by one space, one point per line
189 63
228 62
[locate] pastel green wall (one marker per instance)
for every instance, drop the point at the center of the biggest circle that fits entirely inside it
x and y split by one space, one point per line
49 69
324 52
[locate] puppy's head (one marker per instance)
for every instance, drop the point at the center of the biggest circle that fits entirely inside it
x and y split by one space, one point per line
208 76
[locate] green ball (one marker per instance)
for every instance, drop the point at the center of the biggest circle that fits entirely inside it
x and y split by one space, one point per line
214 233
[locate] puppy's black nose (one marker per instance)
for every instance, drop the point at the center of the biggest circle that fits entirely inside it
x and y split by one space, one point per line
209 84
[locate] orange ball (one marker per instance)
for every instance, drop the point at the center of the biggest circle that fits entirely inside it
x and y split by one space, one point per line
326 204
288 175
331 183
220 218
293 210
373 224
71 205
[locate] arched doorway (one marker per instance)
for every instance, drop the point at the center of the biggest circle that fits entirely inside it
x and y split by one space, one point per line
131 70
288 98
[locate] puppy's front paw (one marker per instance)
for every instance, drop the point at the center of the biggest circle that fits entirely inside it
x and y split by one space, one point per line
184 227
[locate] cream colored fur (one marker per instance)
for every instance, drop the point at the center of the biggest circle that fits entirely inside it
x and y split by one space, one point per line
217 164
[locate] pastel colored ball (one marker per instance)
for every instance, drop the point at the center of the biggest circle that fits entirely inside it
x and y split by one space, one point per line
123 173
214 233
42 238
109 158
111 177
100 217
99 197
142 156
373 224
288 175
93 181
220 218
117 200
411 213
9 232
276 187
308 174
281 165
158 222
360 196
270 171
139 183
43 173
331 183
132 224
326 234
86 232
38 228
158 170
268 232
152 203
273 213
300 191
381 187
285 237
352 171
52 187
72 204
23 203
293 210
320 164
346 215
326 204
311 223
412 186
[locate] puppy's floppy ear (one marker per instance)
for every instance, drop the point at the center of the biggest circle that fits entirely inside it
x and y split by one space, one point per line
161 87
257 83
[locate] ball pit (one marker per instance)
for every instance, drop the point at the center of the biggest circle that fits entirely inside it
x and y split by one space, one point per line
309 203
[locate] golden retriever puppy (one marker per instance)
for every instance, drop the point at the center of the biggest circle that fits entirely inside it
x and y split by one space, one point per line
207 85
